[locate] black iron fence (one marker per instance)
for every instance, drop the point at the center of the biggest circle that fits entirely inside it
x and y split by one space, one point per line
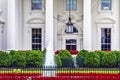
68 73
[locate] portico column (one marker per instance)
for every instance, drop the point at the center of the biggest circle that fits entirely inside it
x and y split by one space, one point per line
11 25
87 29
49 24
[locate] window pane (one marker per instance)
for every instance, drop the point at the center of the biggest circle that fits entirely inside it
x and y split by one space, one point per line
36 39
71 4
74 5
106 4
71 44
36 4
105 39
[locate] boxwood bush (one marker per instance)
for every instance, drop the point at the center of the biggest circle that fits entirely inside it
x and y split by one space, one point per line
5 59
18 59
80 58
109 59
92 59
117 53
66 58
34 58
58 61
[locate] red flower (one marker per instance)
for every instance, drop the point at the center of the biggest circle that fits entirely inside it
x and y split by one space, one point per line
56 52
73 51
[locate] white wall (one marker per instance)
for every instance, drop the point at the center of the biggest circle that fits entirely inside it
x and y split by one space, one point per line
3 18
106 17
62 16
27 19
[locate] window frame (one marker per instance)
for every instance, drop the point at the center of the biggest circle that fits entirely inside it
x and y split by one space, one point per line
71 44
106 9
98 35
35 39
105 43
37 10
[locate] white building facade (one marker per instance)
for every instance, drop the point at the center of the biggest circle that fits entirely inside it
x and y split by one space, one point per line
67 24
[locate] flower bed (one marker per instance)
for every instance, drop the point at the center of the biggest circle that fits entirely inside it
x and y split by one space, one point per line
60 76
72 52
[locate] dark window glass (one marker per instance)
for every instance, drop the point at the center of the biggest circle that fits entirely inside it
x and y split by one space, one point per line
36 39
106 4
36 4
106 39
71 44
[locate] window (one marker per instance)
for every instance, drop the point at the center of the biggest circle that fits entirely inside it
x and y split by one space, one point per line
71 4
36 39
71 44
105 38
36 4
106 4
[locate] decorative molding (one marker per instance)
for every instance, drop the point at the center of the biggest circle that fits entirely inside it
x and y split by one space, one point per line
36 21
76 19
105 21
64 18
98 35
1 26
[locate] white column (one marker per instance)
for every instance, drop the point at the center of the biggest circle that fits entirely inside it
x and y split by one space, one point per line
11 25
0 6
87 30
49 24
55 23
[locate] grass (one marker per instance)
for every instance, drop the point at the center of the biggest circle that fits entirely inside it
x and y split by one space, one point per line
62 70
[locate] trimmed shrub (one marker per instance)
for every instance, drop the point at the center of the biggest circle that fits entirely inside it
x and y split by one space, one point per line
58 61
18 59
34 58
5 59
44 52
117 53
80 57
109 59
66 58
92 59
101 54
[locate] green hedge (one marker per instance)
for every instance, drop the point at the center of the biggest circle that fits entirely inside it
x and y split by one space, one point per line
58 61
18 59
80 58
109 59
117 53
66 58
5 59
92 59
34 58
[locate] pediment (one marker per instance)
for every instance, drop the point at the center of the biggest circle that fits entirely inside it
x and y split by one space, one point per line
106 20
36 21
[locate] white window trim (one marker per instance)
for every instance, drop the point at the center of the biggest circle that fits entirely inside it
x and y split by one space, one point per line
71 37
98 36
41 26
105 11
